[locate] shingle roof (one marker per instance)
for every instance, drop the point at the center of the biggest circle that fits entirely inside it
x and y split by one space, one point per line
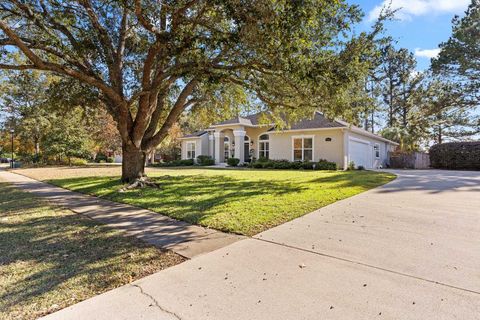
251 120
195 134
318 121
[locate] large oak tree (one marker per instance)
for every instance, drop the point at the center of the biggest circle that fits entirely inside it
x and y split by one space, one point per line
149 60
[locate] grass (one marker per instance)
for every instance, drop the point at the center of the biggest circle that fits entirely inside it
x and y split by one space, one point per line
51 258
240 201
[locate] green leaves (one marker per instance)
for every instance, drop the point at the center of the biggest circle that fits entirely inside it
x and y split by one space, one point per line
459 57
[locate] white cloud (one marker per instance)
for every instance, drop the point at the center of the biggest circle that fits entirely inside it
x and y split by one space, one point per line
410 8
427 53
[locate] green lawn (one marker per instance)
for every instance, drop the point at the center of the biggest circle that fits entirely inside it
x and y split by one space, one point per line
51 258
240 201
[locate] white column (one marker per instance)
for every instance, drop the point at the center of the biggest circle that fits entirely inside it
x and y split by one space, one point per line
345 149
218 136
239 144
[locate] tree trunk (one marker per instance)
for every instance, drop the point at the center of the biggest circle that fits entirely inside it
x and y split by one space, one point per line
133 164
37 146
373 121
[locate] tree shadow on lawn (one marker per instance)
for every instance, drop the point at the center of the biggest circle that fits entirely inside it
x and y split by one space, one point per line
346 179
60 248
191 198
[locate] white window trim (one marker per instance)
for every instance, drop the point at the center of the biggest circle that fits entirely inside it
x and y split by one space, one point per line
303 137
258 144
375 152
194 143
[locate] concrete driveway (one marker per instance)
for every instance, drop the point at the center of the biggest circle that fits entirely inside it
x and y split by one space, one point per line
407 250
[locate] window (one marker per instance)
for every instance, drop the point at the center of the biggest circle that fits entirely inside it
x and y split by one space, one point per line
190 150
303 149
376 149
264 146
226 147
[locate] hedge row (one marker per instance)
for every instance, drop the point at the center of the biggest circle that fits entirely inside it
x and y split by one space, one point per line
285 164
456 155
175 163
201 161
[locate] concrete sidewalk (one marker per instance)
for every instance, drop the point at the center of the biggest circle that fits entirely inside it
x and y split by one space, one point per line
166 233
407 250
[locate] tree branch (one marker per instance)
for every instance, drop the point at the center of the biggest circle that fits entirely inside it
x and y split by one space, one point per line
143 21
44 65
18 67
177 109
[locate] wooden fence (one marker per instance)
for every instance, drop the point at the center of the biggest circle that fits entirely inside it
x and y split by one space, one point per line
414 160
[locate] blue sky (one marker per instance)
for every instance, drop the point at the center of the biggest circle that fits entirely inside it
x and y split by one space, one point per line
421 25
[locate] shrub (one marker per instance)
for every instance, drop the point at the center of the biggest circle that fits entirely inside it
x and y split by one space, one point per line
78 162
262 159
205 160
282 164
233 162
285 164
101 157
351 165
456 155
175 163
110 160
360 168
323 164
307 165
256 165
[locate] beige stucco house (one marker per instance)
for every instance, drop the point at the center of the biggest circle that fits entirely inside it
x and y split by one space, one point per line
308 140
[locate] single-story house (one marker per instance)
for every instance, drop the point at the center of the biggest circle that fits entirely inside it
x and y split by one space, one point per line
307 140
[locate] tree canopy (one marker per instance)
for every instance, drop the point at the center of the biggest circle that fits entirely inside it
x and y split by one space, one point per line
150 60
459 58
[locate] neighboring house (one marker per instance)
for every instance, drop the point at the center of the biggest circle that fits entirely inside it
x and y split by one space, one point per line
308 140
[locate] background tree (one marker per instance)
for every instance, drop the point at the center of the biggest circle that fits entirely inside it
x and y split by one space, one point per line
170 147
459 58
67 139
150 60
23 100
448 113
103 131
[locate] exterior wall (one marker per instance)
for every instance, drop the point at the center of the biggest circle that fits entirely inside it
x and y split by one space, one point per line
198 146
281 145
384 149
253 134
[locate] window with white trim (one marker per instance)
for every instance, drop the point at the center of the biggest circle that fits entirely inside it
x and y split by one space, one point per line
191 150
226 147
303 149
264 146
376 150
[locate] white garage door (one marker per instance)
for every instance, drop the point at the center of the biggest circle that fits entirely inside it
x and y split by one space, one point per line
359 153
